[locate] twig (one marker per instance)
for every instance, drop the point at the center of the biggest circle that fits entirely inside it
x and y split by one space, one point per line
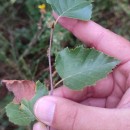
49 59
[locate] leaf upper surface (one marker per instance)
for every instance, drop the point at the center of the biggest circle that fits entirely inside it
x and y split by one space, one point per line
78 9
83 67
41 91
18 115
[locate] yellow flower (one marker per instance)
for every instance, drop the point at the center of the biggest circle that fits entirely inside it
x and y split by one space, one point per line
42 6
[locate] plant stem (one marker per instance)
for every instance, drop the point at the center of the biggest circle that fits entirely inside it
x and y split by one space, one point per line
49 59
50 64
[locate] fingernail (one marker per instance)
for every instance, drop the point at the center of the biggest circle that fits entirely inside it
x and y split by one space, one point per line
44 111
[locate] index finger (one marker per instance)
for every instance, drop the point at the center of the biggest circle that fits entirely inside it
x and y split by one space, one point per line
98 37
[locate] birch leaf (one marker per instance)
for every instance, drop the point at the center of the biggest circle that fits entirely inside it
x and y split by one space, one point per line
19 114
77 9
83 67
22 114
22 89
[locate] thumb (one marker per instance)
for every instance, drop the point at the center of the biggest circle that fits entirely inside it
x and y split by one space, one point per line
63 114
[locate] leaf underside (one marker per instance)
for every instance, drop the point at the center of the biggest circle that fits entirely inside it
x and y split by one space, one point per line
83 67
77 9
22 89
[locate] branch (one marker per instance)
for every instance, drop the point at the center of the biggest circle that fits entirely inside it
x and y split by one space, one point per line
49 59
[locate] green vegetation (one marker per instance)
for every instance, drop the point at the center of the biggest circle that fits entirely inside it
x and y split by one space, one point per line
24 38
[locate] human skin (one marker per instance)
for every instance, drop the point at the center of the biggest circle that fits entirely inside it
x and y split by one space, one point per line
105 106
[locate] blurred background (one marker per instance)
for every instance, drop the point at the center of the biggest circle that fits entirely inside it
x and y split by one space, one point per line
24 38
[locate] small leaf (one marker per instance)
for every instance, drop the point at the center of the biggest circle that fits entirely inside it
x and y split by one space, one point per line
19 116
22 114
83 67
78 9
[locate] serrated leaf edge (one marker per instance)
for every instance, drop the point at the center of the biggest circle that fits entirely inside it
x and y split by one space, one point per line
81 46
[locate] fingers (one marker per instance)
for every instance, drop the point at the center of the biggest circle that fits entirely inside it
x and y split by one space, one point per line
63 114
125 101
98 37
102 89
39 126
96 102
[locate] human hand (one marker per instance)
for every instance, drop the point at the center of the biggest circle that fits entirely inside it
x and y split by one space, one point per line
106 106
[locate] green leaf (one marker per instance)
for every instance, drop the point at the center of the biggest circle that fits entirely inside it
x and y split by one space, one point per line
82 67
19 115
41 91
78 9
22 114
